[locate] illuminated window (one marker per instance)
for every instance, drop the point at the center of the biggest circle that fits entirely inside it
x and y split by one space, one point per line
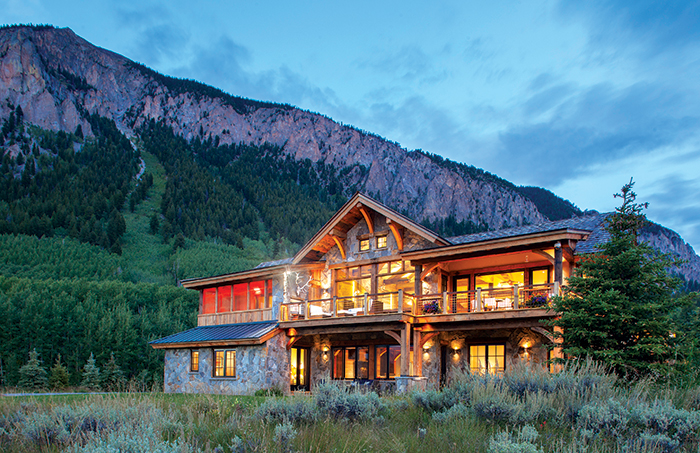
194 361
487 358
364 245
223 298
257 295
381 242
388 362
224 363
209 301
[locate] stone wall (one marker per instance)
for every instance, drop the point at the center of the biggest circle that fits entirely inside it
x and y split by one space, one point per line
515 352
257 367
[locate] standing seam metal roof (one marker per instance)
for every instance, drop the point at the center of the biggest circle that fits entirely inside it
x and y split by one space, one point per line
244 331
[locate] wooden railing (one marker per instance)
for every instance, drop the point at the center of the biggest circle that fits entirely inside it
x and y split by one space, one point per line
495 299
235 317
492 299
338 307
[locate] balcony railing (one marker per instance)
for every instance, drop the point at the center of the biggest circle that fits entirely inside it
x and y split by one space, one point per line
488 299
495 299
338 307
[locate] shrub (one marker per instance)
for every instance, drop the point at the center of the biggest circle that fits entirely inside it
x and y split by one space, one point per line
608 418
272 391
522 441
336 402
33 375
284 435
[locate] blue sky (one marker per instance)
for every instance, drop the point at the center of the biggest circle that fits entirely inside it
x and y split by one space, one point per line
576 97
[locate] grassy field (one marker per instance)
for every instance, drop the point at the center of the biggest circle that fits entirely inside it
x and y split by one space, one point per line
581 409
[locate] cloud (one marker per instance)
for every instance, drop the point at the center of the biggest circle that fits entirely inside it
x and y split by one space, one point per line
598 124
409 64
676 204
649 25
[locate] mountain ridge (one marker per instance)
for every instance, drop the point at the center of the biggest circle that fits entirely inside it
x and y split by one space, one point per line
58 79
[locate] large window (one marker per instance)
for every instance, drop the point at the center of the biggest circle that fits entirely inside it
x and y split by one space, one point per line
351 362
387 277
500 280
241 296
224 363
485 358
388 361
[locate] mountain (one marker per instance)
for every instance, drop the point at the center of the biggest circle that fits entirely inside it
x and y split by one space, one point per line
63 83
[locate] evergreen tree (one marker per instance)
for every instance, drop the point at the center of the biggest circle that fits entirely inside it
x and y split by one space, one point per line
112 376
91 375
155 224
618 304
59 377
33 375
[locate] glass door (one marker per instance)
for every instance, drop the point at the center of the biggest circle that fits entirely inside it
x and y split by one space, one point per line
299 370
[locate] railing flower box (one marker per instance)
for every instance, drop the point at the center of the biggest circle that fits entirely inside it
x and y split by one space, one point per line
432 307
536 301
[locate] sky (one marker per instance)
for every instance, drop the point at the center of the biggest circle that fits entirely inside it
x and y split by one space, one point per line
576 97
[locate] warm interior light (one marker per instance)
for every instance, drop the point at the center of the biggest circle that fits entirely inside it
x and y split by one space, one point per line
325 348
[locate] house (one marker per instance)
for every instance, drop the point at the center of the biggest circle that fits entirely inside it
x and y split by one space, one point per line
377 299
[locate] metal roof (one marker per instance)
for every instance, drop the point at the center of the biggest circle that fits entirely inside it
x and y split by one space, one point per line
244 331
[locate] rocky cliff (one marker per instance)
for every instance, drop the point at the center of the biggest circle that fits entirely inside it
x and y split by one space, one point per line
57 78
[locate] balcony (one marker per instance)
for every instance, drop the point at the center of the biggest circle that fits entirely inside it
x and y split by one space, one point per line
370 306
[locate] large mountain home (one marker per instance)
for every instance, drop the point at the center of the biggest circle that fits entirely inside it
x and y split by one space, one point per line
380 301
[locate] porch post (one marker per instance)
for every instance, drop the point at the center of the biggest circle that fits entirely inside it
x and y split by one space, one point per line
405 349
418 289
417 354
558 263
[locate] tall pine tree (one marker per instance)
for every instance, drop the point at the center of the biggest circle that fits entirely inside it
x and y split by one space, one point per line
618 304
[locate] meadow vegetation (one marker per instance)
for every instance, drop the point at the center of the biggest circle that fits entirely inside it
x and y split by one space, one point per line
581 408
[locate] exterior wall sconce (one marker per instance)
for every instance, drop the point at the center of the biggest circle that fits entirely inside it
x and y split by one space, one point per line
324 356
455 354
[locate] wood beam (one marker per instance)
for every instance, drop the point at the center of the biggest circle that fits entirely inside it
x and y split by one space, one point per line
545 255
291 342
396 231
393 335
338 233
428 270
544 332
367 217
405 349
340 245
427 337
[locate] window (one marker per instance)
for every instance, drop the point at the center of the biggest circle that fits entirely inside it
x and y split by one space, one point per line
500 280
487 358
224 363
209 301
388 361
351 363
539 276
194 361
354 281
254 295
364 245
381 242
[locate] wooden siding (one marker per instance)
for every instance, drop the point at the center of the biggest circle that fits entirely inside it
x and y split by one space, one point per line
234 317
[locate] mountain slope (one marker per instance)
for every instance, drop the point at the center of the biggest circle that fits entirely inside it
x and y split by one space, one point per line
59 76
59 80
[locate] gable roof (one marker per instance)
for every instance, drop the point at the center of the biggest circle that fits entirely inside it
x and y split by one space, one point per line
347 216
225 334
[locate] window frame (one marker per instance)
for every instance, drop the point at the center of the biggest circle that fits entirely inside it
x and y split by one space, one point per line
225 365
486 358
344 350
387 376
364 242
194 364
386 242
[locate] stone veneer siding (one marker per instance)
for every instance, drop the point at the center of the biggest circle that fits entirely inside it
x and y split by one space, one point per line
257 367
512 339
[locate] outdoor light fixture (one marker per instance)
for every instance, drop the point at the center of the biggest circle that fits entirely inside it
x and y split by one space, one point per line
325 348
